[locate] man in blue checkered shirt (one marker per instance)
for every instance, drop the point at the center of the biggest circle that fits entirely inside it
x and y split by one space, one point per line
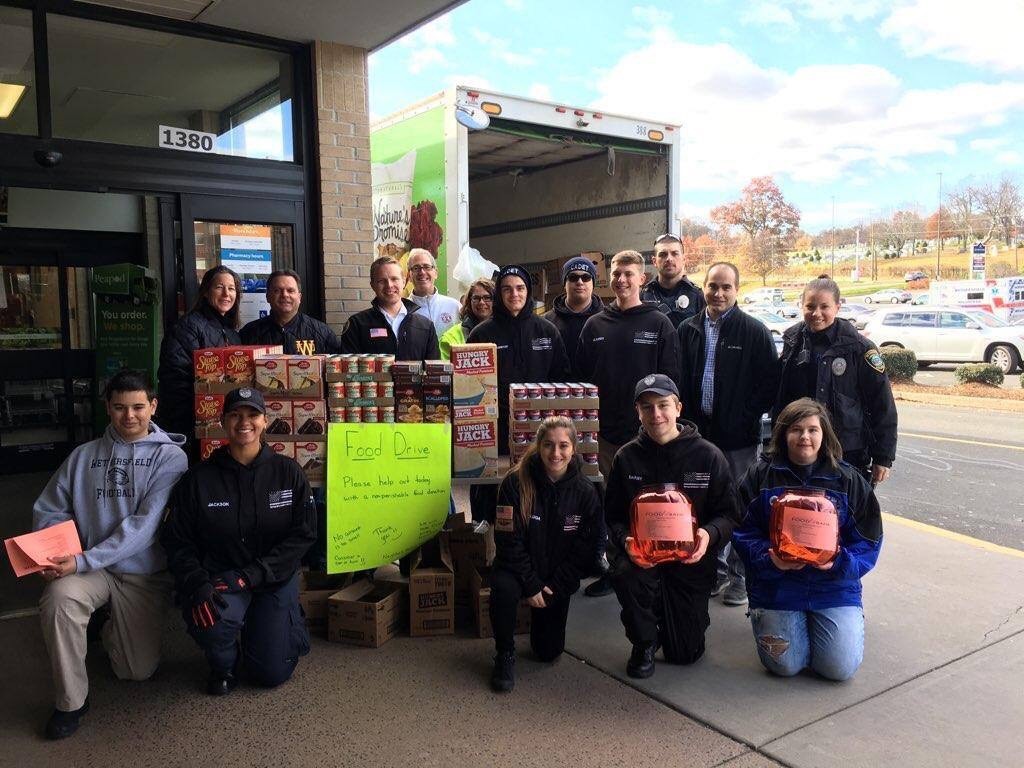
730 375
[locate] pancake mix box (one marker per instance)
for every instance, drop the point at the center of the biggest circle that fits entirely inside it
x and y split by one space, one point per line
474 374
475 448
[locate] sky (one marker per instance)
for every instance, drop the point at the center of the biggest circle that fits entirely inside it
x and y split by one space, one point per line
856 104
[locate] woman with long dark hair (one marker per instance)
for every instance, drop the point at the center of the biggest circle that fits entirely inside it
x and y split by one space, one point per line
212 322
544 534
803 577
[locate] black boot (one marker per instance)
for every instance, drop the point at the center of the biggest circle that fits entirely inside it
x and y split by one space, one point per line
62 724
220 683
641 661
503 678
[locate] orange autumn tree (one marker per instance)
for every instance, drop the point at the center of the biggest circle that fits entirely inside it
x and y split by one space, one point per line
768 220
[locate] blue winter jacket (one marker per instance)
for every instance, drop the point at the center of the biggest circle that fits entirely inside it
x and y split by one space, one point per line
809 588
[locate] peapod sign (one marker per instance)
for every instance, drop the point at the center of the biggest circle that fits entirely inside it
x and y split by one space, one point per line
126 317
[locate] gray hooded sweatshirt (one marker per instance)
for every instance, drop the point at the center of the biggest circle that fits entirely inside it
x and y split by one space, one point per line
116 492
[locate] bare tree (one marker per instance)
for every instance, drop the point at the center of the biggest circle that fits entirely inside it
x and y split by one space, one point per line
962 206
904 227
1001 205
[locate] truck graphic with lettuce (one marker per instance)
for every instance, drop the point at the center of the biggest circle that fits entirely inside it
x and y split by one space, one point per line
519 180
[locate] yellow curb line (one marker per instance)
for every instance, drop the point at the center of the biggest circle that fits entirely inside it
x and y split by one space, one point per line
961 440
986 545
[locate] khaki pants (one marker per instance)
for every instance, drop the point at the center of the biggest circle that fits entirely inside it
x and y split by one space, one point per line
138 614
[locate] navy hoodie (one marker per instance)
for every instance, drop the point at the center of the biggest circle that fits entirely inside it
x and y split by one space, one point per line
530 349
570 324
617 348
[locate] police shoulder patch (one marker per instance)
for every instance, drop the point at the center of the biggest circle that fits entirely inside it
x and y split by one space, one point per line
875 360
503 519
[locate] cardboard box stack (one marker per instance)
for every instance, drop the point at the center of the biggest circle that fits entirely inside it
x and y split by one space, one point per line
408 380
437 391
474 410
292 387
530 404
432 590
314 589
470 549
217 371
552 281
480 589
367 613
361 389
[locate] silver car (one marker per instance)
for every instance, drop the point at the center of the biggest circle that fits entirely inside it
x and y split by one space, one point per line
940 334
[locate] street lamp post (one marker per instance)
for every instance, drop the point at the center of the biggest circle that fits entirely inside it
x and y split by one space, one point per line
833 275
938 233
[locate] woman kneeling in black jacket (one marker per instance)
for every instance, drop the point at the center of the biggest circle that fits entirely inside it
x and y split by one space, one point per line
544 533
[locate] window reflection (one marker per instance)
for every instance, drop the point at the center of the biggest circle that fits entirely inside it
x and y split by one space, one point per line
17 72
29 308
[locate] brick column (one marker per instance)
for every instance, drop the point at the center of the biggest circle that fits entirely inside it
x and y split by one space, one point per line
343 165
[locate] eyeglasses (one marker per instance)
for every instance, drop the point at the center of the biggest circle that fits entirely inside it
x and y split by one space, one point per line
487 299
421 268
579 277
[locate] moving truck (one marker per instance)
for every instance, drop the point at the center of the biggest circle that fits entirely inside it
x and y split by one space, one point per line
522 181
1003 296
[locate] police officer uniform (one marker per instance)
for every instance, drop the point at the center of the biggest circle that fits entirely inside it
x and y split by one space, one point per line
843 371
679 303
234 536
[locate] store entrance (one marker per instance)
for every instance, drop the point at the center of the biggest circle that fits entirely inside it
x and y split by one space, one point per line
47 363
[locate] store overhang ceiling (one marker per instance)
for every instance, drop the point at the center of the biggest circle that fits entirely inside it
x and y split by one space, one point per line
352 22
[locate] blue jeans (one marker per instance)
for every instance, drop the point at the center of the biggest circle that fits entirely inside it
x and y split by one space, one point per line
829 641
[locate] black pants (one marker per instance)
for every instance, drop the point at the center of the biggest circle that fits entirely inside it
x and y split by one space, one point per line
273 634
547 625
483 502
667 603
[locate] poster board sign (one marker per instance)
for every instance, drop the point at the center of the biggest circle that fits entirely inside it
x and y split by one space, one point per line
388 488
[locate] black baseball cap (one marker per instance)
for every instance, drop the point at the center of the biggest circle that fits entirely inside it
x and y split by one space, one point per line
247 396
658 383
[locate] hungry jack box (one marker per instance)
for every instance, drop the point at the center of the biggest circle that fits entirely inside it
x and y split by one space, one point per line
474 374
480 590
366 613
475 447
432 590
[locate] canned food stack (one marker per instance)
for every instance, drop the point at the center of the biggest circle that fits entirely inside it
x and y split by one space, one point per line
474 410
531 403
360 389
217 371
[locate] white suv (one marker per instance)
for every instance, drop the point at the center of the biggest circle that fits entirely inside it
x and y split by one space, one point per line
765 295
948 335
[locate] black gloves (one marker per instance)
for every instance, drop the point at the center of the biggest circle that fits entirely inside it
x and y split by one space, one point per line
230 582
205 602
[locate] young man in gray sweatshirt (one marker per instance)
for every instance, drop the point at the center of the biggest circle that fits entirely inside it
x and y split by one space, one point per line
115 488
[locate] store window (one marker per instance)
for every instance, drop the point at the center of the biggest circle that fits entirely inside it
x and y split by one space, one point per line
17 72
29 308
253 251
145 88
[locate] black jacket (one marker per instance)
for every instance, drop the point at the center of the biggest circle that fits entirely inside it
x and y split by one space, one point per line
746 378
679 304
369 332
555 548
529 349
618 348
850 381
304 335
688 461
570 325
258 519
199 329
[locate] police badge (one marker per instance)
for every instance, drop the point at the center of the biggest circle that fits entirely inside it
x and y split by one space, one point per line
838 366
683 302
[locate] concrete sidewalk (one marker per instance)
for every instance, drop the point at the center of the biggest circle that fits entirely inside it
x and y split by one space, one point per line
940 686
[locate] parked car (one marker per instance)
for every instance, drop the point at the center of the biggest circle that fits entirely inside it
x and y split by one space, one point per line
916 274
944 334
889 296
768 295
921 298
858 314
782 310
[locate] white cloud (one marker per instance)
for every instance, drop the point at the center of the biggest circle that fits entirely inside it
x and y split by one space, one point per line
838 11
988 144
1010 157
816 125
514 5
540 91
426 43
500 49
983 33
422 58
470 81
649 14
764 14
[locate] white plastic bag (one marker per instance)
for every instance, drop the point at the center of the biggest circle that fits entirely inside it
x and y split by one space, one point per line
472 266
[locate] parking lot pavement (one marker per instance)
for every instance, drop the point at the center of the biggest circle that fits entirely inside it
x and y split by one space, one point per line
941 375
934 602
